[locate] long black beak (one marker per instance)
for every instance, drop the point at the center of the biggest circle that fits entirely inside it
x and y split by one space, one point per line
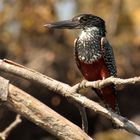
66 24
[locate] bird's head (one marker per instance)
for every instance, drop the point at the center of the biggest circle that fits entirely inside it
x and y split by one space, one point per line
81 21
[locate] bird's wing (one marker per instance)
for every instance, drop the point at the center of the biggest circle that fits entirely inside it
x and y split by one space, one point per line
108 56
109 60
76 54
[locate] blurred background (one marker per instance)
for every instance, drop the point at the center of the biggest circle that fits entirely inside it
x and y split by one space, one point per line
23 39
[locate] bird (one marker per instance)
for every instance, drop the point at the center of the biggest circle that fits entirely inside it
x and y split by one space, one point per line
93 54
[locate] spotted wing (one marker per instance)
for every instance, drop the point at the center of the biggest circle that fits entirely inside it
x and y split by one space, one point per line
108 56
76 54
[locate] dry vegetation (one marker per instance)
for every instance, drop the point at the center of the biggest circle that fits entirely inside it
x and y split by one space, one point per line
23 39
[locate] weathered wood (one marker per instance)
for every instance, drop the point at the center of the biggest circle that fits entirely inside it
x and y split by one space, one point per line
32 109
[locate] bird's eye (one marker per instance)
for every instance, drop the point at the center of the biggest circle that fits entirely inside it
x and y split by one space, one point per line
84 19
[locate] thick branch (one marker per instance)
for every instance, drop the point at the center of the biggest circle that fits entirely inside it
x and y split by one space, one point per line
69 92
32 109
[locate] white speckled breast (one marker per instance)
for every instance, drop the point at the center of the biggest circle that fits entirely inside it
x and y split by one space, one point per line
88 45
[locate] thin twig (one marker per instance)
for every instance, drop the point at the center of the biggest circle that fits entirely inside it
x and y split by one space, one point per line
4 134
83 114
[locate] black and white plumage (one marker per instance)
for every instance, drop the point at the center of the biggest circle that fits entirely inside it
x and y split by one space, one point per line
108 56
94 56
88 51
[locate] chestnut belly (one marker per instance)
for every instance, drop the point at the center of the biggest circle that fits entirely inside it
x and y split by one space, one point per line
95 71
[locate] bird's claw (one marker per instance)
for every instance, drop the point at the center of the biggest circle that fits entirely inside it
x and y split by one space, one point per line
82 84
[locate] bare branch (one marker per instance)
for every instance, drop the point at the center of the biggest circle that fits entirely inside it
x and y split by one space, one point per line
83 114
108 81
35 111
4 134
69 92
3 89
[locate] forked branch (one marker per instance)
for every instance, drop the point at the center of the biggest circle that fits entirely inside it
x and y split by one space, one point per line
4 134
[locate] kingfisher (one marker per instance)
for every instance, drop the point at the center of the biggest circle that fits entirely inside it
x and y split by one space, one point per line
93 54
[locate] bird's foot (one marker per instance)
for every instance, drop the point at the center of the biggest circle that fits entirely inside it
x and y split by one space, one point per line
82 84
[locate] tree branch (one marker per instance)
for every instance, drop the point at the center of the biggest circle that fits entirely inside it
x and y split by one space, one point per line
69 92
108 81
83 114
4 134
35 111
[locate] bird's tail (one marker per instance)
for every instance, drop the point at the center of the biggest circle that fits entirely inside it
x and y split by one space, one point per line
109 97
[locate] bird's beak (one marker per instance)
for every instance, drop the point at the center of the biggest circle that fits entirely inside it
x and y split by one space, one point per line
66 24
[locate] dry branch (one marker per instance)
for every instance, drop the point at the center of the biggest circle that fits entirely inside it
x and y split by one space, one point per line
108 81
69 92
4 134
32 109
